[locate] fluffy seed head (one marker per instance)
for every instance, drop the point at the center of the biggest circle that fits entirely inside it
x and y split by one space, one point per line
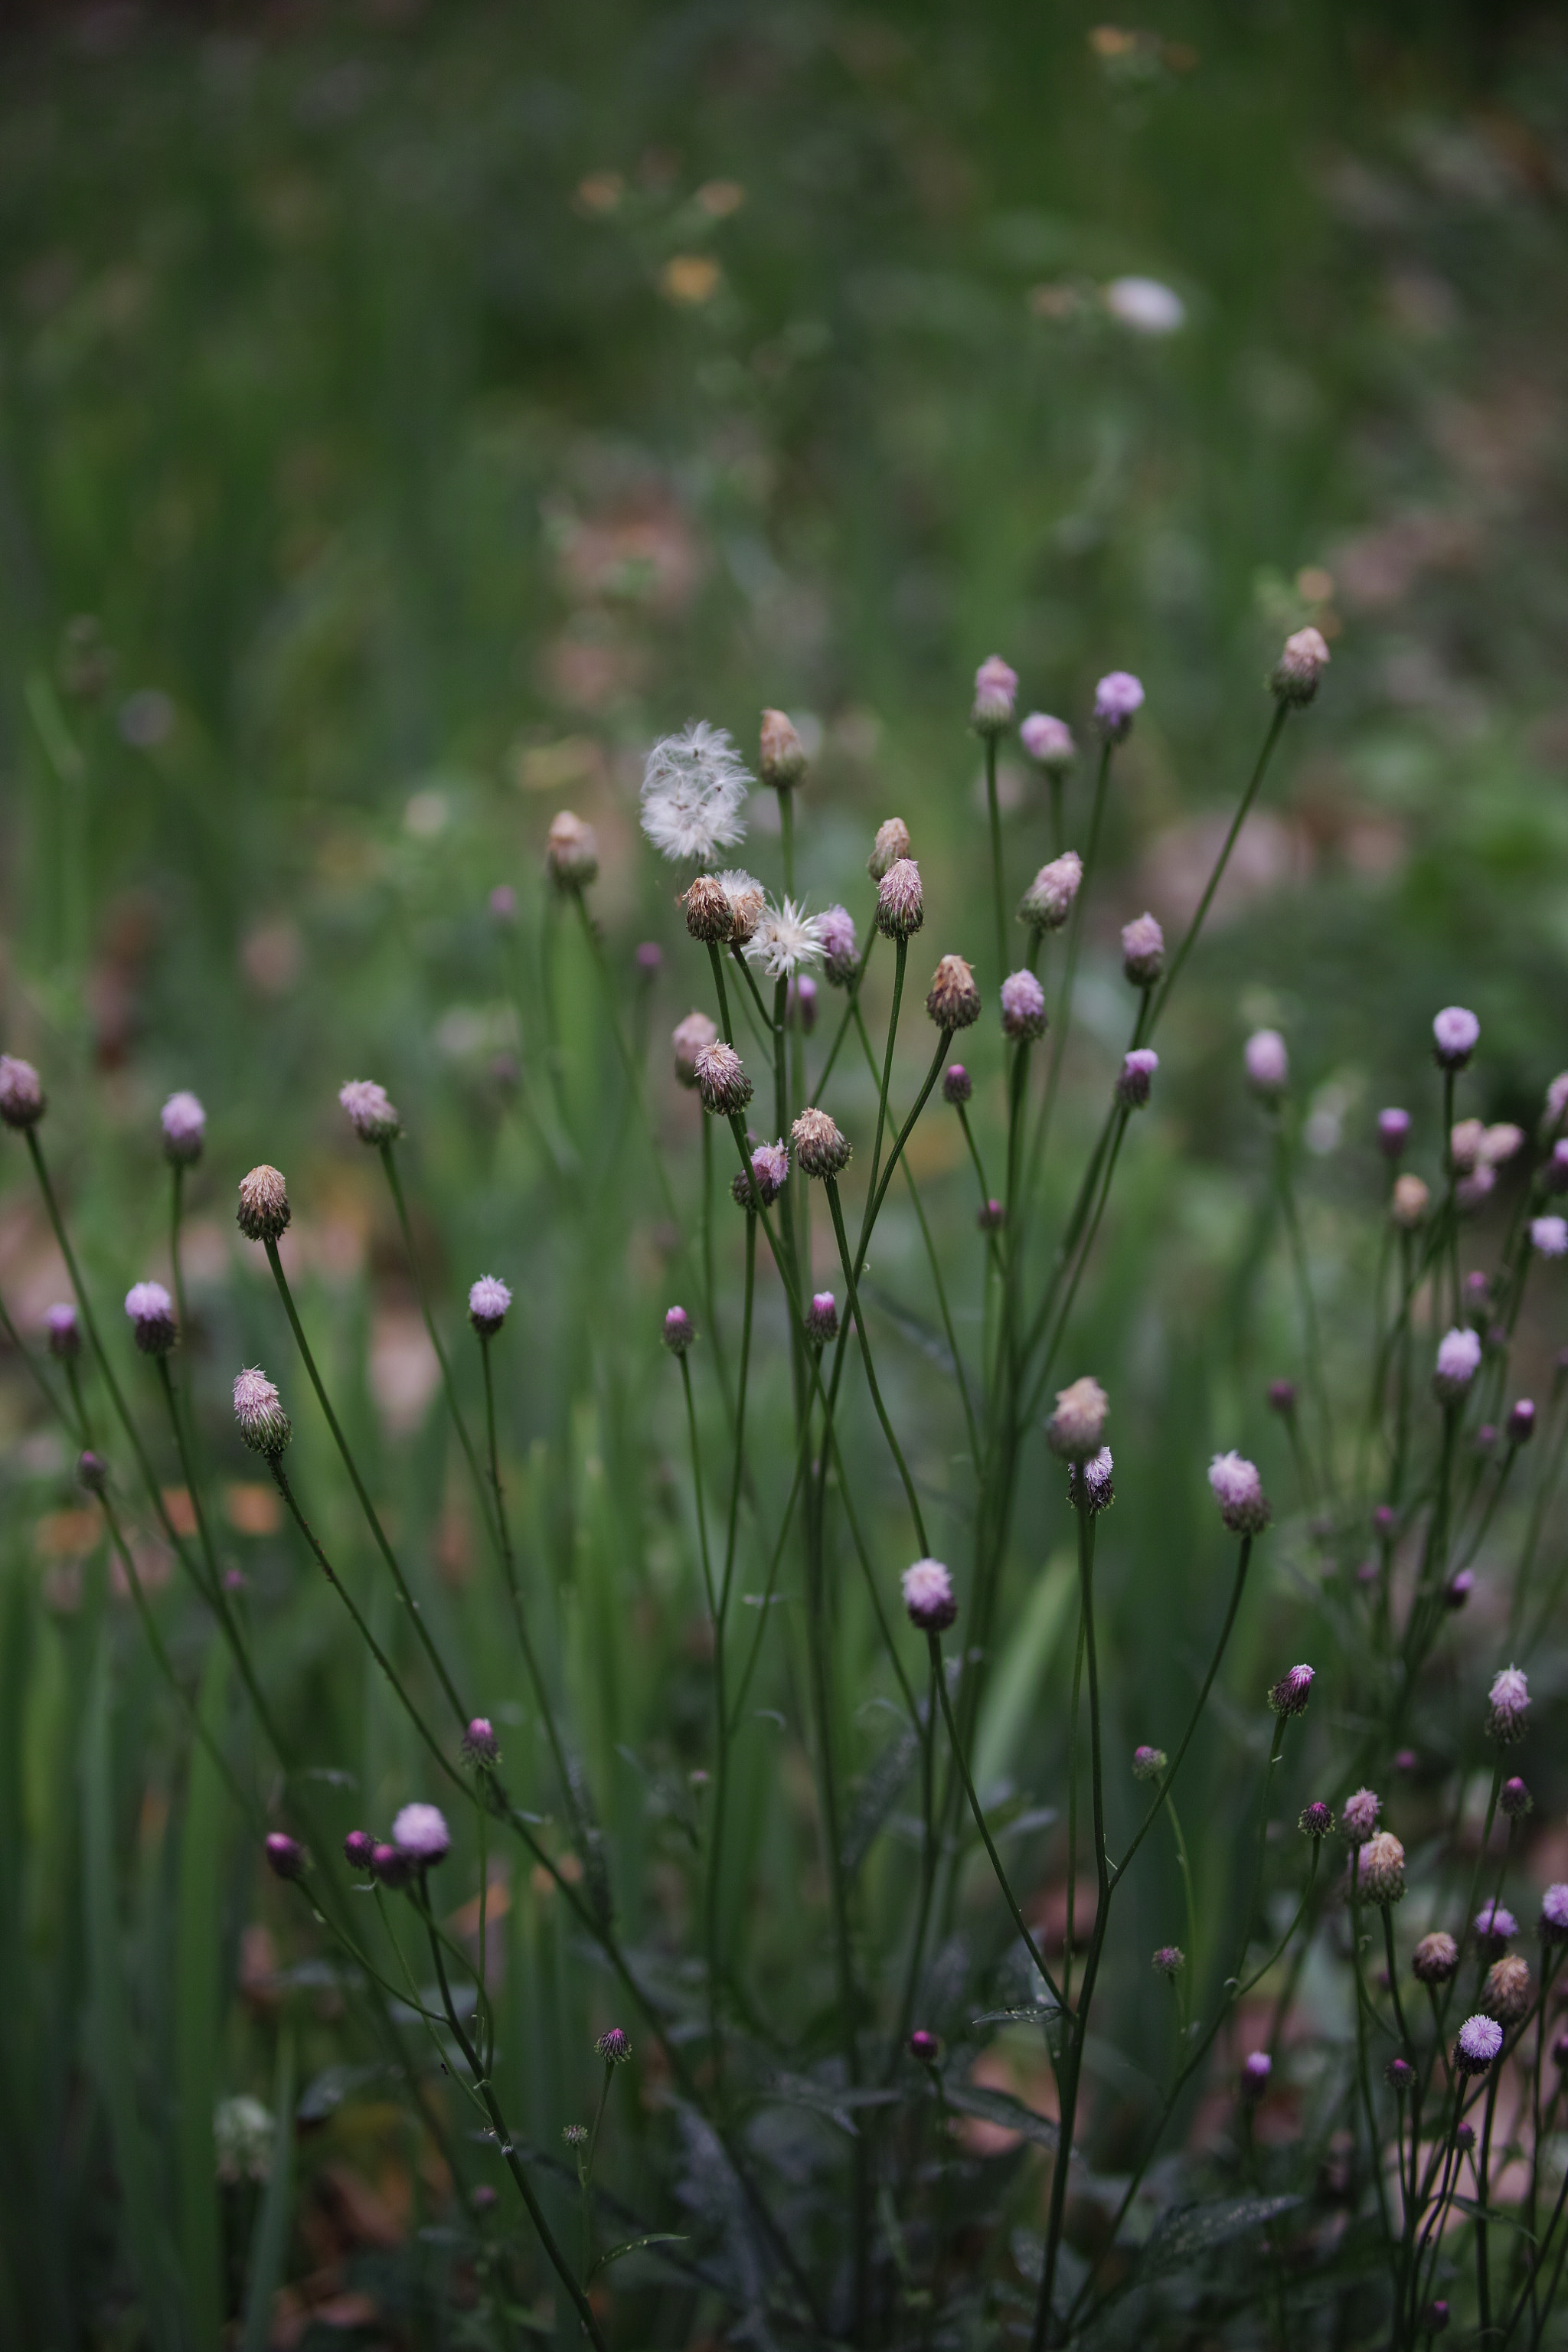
571 852
688 1039
781 759
1379 1868
785 941
1358 1814
693 792
1549 1236
1436 1958
371 1114
821 1148
64 1337
614 2047
1554 1915
1149 1763
481 1745
1076 1430
1142 950
489 1299
957 1086
1496 1926
1023 1007
770 1167
1392 1132
952 1000
927 1596
891 843
1091 1485
1254 2072
1515 1798
285 1855
1455 1035
679 1330
358 1847
1295 674
185 1125
1117 698
1048 742
263 1211
721 1080
1408 1205
1507 1706
822 1319
1047 902
1458 1361
1136 1077
901 902
1481 2038
840 954
22 1101
1267 1063
746 899
1169 1961
1239 1491
421 1833
707 906
1290 1694
995 695
152 1313
1316 1820
263 1424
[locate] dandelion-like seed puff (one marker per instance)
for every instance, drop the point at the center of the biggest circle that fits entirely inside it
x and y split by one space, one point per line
786 938
693 792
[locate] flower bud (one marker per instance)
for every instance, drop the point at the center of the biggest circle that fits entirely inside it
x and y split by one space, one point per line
152 1314
1117 698
1048 900
1436 1958
822 1319
721 1080
1136 1077
1556 1107
571 852
927 1596
185 1125
1316 1820
263 1424
1457 1590
1554 1173
900 902
420 1831
358 1847
770 1167
991 1216
1549 1236
1294 677
708 916
1408 1205
1023 1007
285 1855
957 1086
489 1299
1458 1361
391 1865
1358 1814
1380 1869
1496 1927
1282 1398
890 844
1455 1035
1149 1763
782 756
1076 1430
679 1330
996 695
924 2046
1506 1992
481 1745
1521 1423
263 1211
371 1114
1392 1132
1267 1063
22 1098
614 2047
1048 742
1239 1491
688 1039
953 1000
1399 2075
93 1471
64 1335
820 1148
840 953
1554 1916
1142 950
1091 1485
1255 2070
1515 1798
1509 1705
1290 1694
1169 1961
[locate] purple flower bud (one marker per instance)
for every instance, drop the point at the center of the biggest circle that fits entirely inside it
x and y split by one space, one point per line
1142 950
481 1745
1520 1424
503 904
1136 1077
1047 902
615 2046
1508 1705
1385 1520
185 1125
1169 1961
152 1314
956 1084
840 953
1458 1589
1091 1485
1435 2315
1149 1763
690 1039
372 1113
285 1855
1549 1236
1458 1361
800 1003
991 1216
721 1080
1515 1798
263 1213
821 1149
995 695
822 1319
901 902
952 1000
1076 1430
259 1412
679 1330
1316 1820
1048 742
22 1099
649 959
93 1472
1392 1132
1239 1491
1290 1693
769 1167
64 1335
1267 1063
1435 1958
1554 1914
489 1299
1399 2075
1496 1927
927 1596
1405 1760
1465 2138
1295 676
1454 1036
391 1865
571 852
358 1847
1554 1173
1255 2072
1481 2038
485 2197
1117 698
420 1831
1022 1006
1358 1814
1282 1398
924 2046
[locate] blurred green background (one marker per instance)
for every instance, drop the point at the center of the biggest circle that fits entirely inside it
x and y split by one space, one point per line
407 413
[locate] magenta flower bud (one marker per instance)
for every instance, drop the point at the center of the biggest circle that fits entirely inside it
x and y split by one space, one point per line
1385 1520
679 1330
1392 1132
1255 2070
1435 2315
1559 2052
1267 1063
481 1745
1076 1430
1458 1589
996 695
615 2046
571 852
485 2197
185 1125
1496 1927
991 1216
502 905
957 1086
821 1149
1239 1491
800 1004
770 1167
1149 1763
721 1080
22 1098
1048 742
1136 1077
1508 1704
891 844
1142 950
1549 1236
1435 1958
1282 1398
263 1424
371 1111
93 1471
840 954
1117 698
691 1038
263 1213
927 1596
1515 1798
822 1319
1520 1424
952 1000
1554 1916
1048 900
1458 1361
1316 1820
1358 1814
1405 1760
489 1299
358 1847
63 1336
420 1831
1454 1036
1290 1693
1399 2075
285 1855
1554 1173
1481 2038
1295 676
1022 1006
152 1313
924 2046
1092 1486
901 902
391 1865
1169 1961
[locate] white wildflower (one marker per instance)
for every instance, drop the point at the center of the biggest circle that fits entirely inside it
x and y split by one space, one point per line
693 791
786 938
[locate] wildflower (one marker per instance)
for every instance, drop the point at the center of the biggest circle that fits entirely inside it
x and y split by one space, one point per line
420 1831
1455 1035
1436 1958
263 1424
1399 2075
1149 1763
786 939
1048 742
263 1211
1521 1423
800 1003
152 1314
1023 1007
708 916
822 1319
1458 1361
1554 1173
185 1125
952 1000
285 1855
571 852
1465 2138
927 1596
957 1086
890 844
679 1330
1048 900
1508 1704
770 1166
924 2046
900 902
1117 698
1255 2072
1142 950
1379 1868
615 2046
1505 1995
840 955
693 791
1282 1398
1457 1590
1239 1491
391 1865
820 1148
721 1080
481 1745
1466 1140
1501 1142
1143 304
93 1471
1556 1108
358 1847
996 693
22 1097
991 1216
1473 1191
1549 1236
688 1038
1496 1927
1358 1814
746 899
1267 1063
1091 1485
489 1299
1392 1132
1554 1915
782 756
1290 1694
1295 676
1316 1820
371 1114
1409 1203
1135 1076
1435 2315
63 1335
1077 1429
1515 1798
1169 1961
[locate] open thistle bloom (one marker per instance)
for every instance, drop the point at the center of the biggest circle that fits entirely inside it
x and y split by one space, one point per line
786 939
1239 1491
1117 700
420 1831
614 2047
770 1166
1316 1820
285 1855
1047 902
953 999
571 852
693 792
1295 676
822 1319
721 1080
821 1148
1507 1706
1392 1132
688 1040
263 1210
1458 1361
63 1334
372 1113
1267 1063
185 1125
1358 1814
957 1086
1023 1007
1091 1485
1142 950
1436 1958
1136 1077
679 1330
1554 1915
927 1596
901 902
263 1424
489 1299
1481 2038
891 844
1380 1869
152 1313
1076 1430
1290 1694
1496 1926
1549 1236
1505 1995
840 954
996 696
747 902
781 759
22 1098
1456 1034
1048 742
1149 1763
1169 1961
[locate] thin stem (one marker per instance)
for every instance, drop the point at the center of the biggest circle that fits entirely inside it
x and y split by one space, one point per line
854 1304
999 885
986 1840
901 957
514 1590
1190 939
176 1258
395 1185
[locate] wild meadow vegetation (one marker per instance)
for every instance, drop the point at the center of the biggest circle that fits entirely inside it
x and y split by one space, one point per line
786 890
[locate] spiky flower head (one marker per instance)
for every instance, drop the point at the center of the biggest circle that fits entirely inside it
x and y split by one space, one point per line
372 1113
927 1596
1290 1694
679 1330
770 1167
489 1299
1436 1958
1481 2038
185 1125
1048 742
953 1000
890 843
391 1865
1238 1490
481 1745
957 1086
1358 1814
1256 2069
747 901
1267 1063
1380 1869
1136 1077
1392 1132
996 696
615 2046
821 1148
781 759
1169 1961
1456 1034
1316 1820
571 852
1554 1915
263 1210
785 941
693 792
1294 677
1507 1706
22 1097
1091 1485
721 1080
840 952
1047 902
901 902
822 1319
263 1424
285 1855
1023 1007
421 1833
1117 700
1458 1361
1076 1430
1149 1763
1549 1236
152 1313
1142 950
1496 1926
63 1334
688 1040
358 1847
1515 1798
707 909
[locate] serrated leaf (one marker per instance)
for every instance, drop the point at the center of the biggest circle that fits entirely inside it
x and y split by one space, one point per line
634 2245
1185 2231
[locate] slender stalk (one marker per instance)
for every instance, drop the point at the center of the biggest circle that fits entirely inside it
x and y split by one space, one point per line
1189 938
395 1185
961 1764
176 1254
999 885
896 1451
901 957
1070 1945
928 1854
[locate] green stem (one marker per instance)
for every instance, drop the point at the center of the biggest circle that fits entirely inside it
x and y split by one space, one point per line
831 1188
1189 938
999 885
395 1185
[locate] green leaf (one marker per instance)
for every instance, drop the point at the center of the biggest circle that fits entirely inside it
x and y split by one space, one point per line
270 2241
1001 2107
1185 2231
632 2246
199 2011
